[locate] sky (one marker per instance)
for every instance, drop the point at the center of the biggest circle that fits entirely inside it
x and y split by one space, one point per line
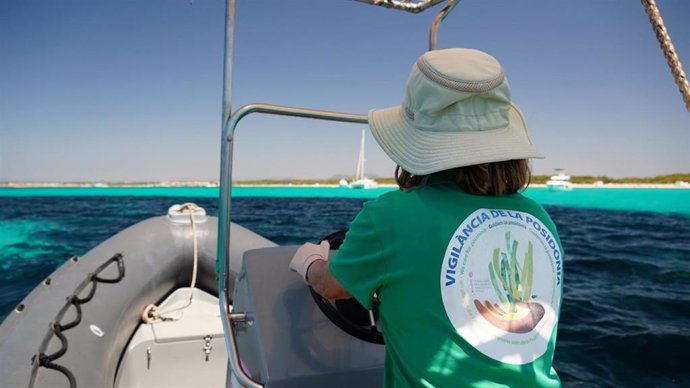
131 90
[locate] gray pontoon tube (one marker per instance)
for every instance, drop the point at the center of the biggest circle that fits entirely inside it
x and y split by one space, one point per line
145 263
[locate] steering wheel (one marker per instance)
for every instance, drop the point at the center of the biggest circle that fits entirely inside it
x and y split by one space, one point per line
348 314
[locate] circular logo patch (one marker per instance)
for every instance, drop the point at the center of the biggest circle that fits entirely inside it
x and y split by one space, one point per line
501 284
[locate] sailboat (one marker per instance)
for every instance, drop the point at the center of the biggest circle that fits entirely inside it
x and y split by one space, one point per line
360 181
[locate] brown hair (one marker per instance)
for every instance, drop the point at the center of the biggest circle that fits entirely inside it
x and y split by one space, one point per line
497 178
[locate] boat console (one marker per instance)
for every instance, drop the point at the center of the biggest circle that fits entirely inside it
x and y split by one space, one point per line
282 337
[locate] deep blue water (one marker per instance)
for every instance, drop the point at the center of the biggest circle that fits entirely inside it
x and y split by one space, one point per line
625 319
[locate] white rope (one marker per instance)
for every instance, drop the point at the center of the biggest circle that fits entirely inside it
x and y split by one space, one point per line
151 313
668 49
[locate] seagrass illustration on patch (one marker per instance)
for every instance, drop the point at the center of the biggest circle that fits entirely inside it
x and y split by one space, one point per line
512 283
501 284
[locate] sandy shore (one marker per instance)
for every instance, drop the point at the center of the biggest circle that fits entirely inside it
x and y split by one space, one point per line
109 184
624 186
681 185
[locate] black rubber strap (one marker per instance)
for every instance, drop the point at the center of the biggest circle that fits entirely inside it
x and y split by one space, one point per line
57 328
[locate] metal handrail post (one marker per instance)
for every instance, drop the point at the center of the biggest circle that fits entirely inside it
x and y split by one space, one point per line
223 238
225 156
282 110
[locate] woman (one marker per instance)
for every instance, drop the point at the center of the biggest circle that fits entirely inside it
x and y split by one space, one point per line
468 271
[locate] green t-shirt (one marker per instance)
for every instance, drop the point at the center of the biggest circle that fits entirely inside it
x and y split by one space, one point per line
470 286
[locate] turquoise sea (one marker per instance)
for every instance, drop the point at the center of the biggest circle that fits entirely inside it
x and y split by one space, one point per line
625 320
667 200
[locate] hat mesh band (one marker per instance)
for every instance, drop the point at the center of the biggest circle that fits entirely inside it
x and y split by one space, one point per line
464 86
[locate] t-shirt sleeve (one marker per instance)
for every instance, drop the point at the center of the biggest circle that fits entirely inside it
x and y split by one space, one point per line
359 264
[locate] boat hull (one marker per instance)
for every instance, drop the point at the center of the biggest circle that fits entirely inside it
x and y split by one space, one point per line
365 183
559 186
156 258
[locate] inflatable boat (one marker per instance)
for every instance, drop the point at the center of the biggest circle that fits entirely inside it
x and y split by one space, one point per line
189 300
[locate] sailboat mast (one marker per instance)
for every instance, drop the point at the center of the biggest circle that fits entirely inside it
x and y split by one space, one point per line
359 174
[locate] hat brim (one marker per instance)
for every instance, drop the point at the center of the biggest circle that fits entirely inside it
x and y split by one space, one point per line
425 152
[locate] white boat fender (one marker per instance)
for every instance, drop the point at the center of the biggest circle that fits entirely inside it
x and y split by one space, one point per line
186 213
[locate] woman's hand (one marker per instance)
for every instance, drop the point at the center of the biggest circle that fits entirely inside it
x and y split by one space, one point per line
306 255
311 262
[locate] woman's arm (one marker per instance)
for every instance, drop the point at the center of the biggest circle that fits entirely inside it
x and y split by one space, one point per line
323 281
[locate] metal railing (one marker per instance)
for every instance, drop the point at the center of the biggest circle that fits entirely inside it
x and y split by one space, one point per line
224 202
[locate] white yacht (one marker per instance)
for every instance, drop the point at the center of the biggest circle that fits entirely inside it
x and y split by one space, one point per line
560 181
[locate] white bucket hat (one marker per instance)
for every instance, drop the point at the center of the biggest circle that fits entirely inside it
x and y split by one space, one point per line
456 112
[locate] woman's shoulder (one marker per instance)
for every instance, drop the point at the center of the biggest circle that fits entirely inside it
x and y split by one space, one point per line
393 205
386 200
